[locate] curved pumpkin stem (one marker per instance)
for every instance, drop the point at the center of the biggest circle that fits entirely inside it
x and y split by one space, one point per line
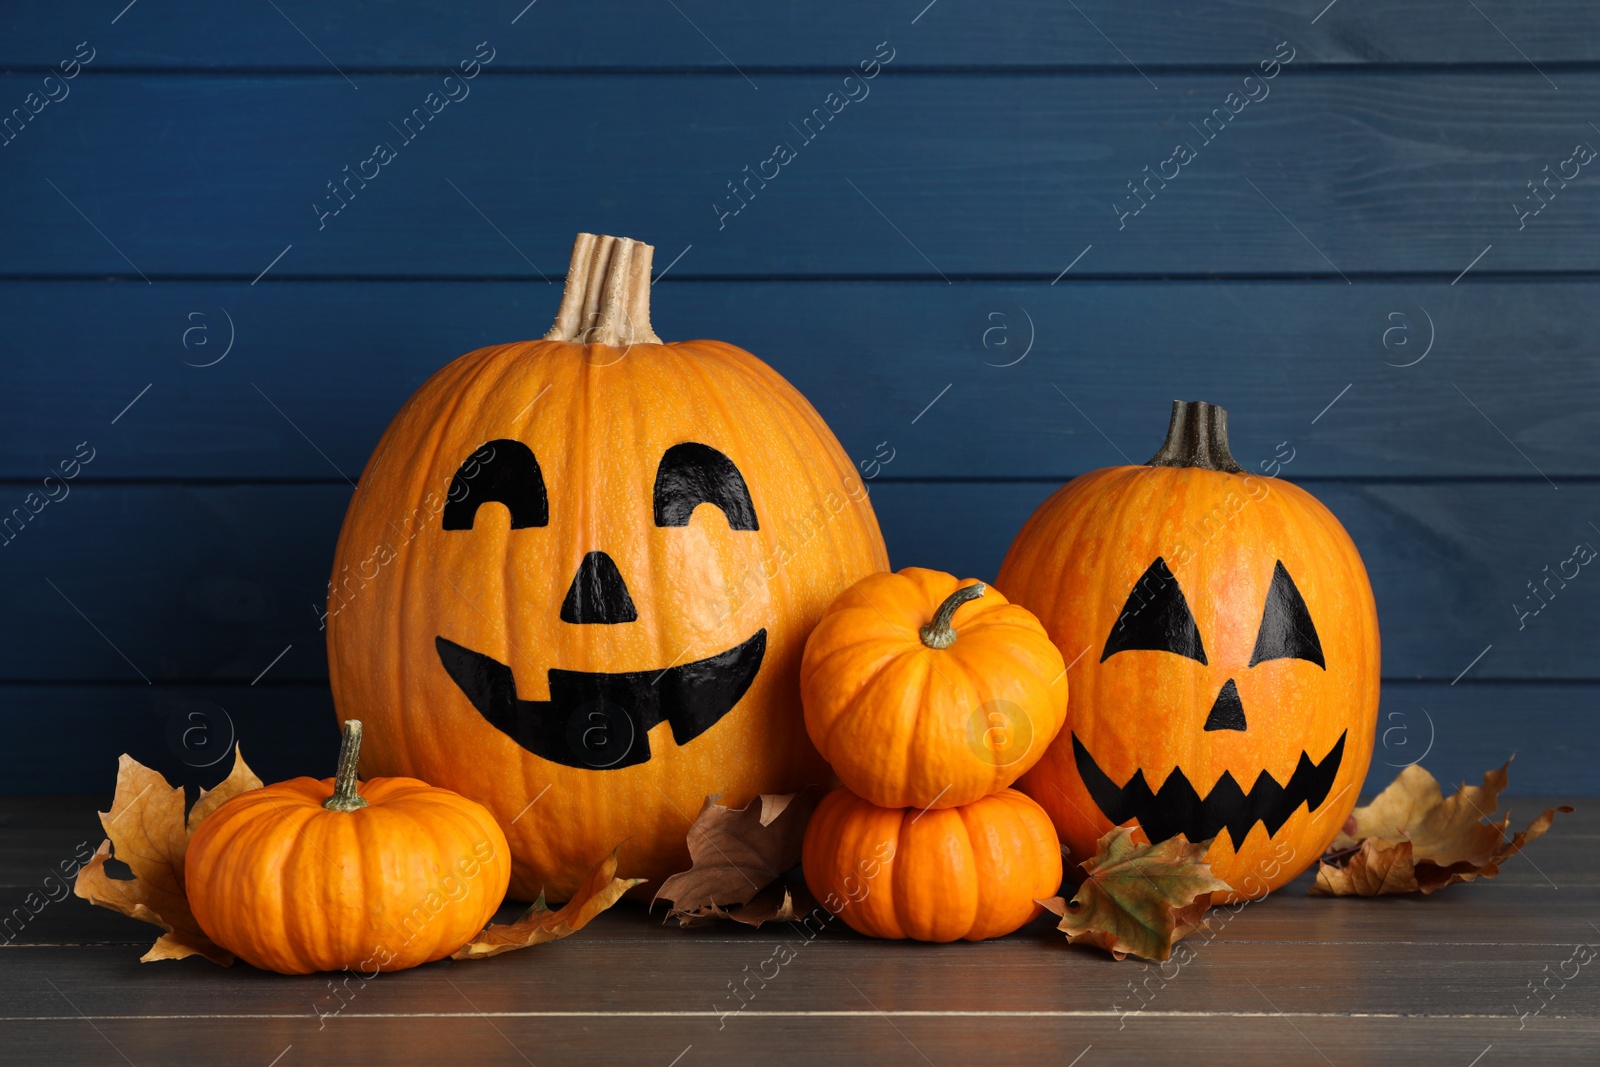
1197 437
345 797
607 298
939 633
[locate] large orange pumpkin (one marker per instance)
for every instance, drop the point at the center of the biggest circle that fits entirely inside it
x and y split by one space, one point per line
945 874
309 876
924 691
1223 644
576 579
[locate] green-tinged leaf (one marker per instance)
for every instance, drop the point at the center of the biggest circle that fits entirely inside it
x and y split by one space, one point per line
1138 900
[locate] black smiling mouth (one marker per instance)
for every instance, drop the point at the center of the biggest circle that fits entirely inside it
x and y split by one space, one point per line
1177 809
600 721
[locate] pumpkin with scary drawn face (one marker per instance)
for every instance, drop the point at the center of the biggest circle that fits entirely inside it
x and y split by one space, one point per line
577 576
1223 649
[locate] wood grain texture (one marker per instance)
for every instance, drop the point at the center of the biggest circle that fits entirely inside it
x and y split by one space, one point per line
1398 172
714 34
1093 369
74 732
1266 1040
590 975
1291 977
220 579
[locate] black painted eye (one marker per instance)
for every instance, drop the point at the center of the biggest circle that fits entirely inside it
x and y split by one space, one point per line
692 474
1287 631
1156 617
503 471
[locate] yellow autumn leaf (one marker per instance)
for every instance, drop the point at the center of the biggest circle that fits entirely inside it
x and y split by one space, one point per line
601 888
146 830
1413 839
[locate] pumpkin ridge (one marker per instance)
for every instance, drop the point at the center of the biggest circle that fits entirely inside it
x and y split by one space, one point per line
908 677
851 644
843 711
929 723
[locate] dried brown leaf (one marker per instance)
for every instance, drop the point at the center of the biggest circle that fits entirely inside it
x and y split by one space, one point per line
1413 839
781 902
600 889
737 854
1139 899
147 829
240 780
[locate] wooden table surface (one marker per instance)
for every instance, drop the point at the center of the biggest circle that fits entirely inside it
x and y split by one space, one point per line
1296 979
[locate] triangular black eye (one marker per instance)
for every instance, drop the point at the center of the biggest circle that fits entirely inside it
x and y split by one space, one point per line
1156 617
1287 631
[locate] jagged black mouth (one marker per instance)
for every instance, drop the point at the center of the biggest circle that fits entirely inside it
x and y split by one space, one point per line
1177 809
599 721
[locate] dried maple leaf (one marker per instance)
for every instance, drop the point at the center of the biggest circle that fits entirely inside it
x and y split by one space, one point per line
147 829
600 889
737 854
1411 839
1139 899
781 902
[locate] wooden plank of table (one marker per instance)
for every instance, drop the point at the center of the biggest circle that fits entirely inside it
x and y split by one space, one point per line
1290 976
1032 971
1267 1040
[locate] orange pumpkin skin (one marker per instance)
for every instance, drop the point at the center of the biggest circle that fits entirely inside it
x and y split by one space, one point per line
909 725
1223 536
945 874
289 886
599 418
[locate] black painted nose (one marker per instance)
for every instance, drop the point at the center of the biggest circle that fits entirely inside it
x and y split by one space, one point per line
1227 713
598 594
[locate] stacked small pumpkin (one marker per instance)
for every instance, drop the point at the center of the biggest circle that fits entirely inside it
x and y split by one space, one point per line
930 696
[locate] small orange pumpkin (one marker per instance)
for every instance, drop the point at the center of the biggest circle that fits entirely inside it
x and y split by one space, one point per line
1224 643
948 874
307 876
915 711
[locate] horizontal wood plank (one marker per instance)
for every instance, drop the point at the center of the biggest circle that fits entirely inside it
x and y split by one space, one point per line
691 974
1353 980
223 579
77 731
719 34
1264 1040
977 380
931 176
1543 896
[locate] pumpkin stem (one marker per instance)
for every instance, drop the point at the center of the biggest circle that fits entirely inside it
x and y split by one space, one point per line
345 797
1197 437
939 633
607 298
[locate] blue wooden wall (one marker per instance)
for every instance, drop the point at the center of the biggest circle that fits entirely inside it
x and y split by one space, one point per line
1382 259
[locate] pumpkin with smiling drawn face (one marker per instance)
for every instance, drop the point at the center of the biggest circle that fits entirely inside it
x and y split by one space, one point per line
577 576
1222 643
